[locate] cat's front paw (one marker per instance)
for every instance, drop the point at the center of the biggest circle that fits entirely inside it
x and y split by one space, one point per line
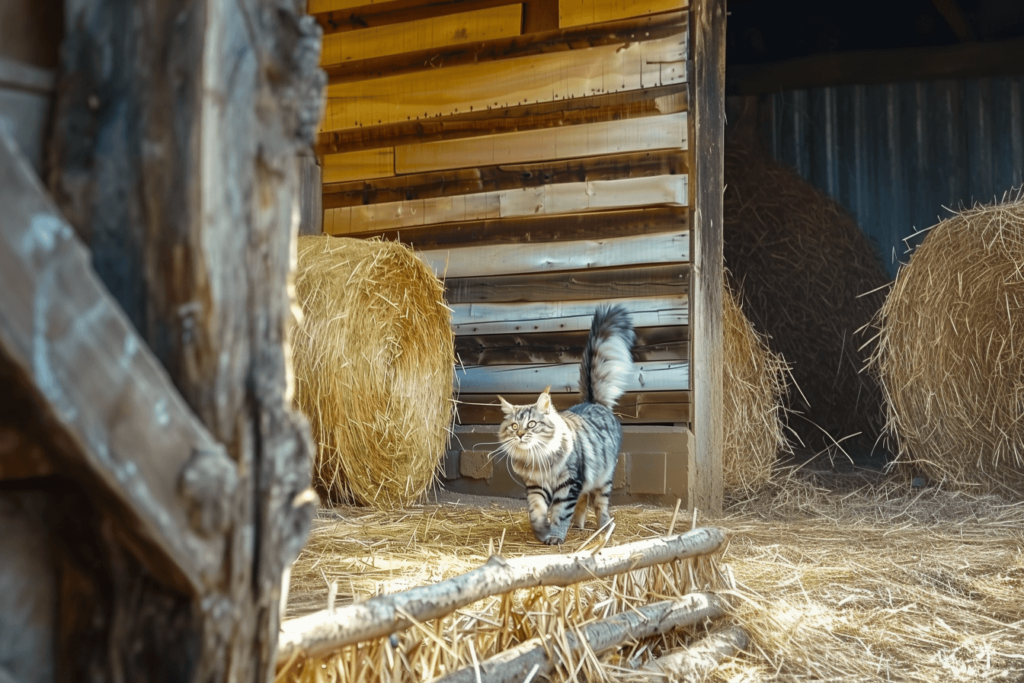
554 540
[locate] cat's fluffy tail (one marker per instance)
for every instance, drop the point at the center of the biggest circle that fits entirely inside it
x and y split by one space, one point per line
607 357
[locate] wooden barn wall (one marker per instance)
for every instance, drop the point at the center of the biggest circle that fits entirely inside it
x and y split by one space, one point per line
537 155
896 154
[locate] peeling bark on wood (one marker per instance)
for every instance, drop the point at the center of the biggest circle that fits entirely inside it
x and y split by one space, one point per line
322 632
694 663
514 665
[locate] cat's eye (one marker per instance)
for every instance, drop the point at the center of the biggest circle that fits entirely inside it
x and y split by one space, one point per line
531 425
514 426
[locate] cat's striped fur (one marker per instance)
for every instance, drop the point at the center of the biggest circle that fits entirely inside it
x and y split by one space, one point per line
566 457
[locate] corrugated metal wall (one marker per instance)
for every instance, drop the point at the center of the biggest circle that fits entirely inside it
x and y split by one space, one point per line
896 154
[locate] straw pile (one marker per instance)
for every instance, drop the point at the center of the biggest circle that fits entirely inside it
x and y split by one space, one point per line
374 359
870 582
951 351
803 265
754 383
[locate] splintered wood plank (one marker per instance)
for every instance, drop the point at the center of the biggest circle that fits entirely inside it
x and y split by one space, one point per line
507 83
563 316
582 285
505 177
546 199
425 34
555 256
632 408
564 378
591 139
581 12
652 343
362 165
631 104
651 27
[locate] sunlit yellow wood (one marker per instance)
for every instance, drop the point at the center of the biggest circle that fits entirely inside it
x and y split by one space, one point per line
581 12
318 6
591 139
362 165
424 34
526 80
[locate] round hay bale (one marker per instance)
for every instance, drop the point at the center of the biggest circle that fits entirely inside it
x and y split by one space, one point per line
374 359
950 351
810 280
754 384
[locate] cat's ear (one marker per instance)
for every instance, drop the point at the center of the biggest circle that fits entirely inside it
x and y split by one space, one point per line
544 401
506 407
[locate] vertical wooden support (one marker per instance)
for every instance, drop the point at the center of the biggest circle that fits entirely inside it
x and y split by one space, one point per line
311 212
707 21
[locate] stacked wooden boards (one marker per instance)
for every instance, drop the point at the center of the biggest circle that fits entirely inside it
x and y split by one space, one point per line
537 155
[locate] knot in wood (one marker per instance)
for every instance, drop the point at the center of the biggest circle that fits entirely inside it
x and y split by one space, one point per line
207 484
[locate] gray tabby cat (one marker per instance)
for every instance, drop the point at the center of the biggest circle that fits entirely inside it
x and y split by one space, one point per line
562 457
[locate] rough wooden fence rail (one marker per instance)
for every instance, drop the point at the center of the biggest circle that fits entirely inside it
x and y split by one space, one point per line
322 632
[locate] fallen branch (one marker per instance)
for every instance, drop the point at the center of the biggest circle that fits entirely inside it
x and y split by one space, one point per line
322 632
514 665
697 661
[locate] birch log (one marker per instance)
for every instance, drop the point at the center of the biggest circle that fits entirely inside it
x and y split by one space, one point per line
322 632
695 662
514 665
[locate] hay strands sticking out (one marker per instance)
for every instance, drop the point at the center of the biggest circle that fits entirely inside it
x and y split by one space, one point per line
322 632
695 662
532 657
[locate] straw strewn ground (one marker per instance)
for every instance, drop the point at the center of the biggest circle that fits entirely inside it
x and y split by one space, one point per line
869 581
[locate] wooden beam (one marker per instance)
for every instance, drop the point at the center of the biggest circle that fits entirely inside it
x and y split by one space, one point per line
967 60
563 316
361 165
339 17
653 343
536 78
709 18
422 35
631 104
556 40
556 256
644 407
581 12
106 397
585 140
564 378
581 285
565 198
311 212
506 177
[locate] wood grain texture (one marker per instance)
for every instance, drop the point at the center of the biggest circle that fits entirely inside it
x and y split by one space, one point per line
361 165
565 198
564 378
630 104
709 17
653 343
425 34
580 285
563 316
585 140
580 12
536 78
387 12
506 177
644 407
311 212
531 43
555 256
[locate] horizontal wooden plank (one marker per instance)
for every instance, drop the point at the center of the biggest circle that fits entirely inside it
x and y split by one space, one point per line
545 199
567 142
320 6
653 343
564 378
425 34
580 285
644 407
364 164
631 104
563 316
548 257
366 14
507 177
536 78
581 12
